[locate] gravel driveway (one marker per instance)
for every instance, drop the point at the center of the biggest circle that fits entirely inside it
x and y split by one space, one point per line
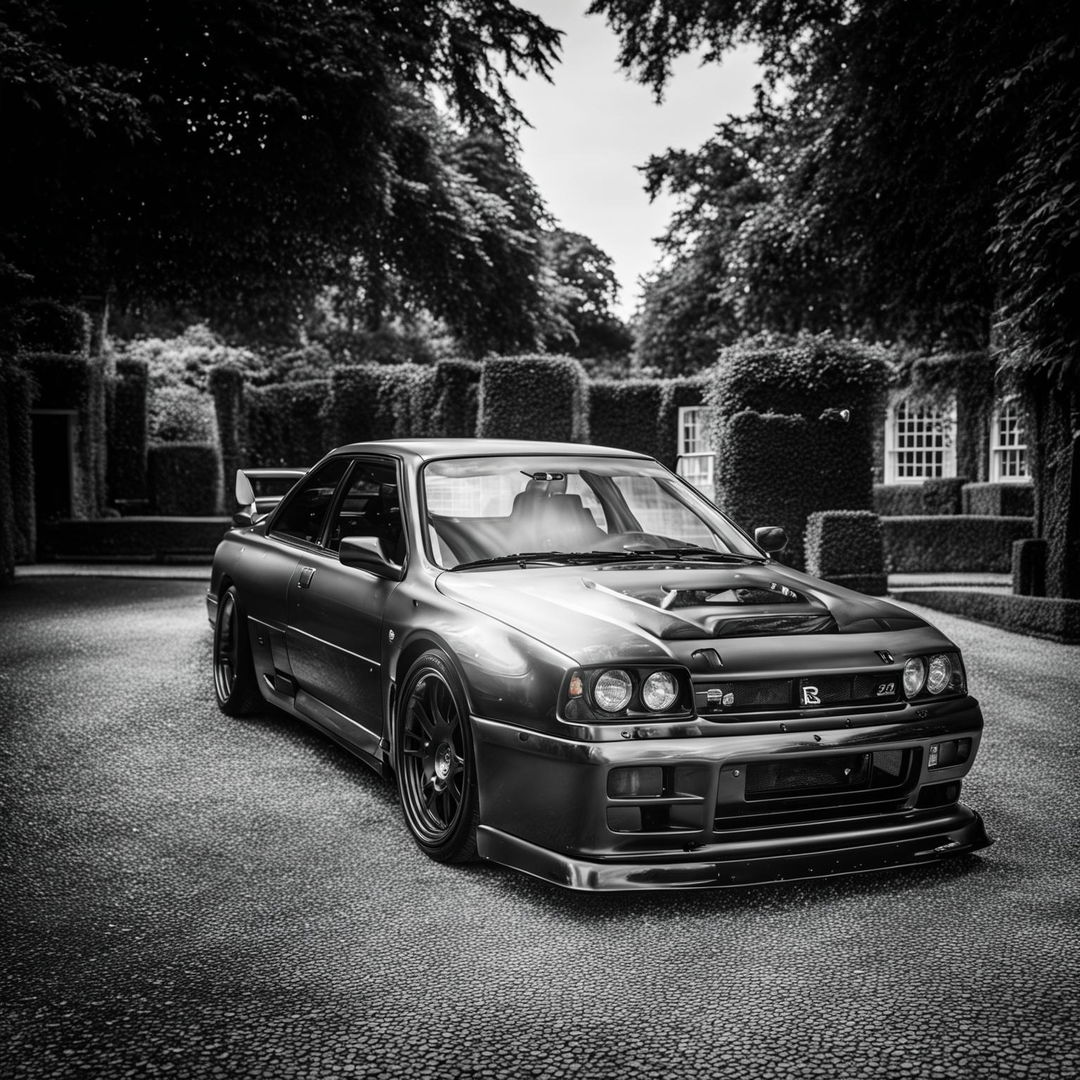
189 895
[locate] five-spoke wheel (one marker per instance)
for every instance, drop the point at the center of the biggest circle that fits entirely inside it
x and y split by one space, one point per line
434 761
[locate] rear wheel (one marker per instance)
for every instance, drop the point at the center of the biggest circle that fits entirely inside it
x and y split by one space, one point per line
234 672
433 758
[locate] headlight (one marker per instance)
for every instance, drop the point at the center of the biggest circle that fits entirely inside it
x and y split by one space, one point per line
613 690
660 691
914 675
940 672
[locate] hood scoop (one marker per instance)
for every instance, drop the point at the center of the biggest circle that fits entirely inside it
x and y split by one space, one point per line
729 609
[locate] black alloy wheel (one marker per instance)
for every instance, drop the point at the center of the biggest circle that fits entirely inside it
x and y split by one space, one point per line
436 771
234 672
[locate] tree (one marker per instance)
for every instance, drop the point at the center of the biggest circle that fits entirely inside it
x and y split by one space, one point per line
238 156
588 293
919 168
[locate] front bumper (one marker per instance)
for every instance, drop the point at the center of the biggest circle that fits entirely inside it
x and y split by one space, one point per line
548 805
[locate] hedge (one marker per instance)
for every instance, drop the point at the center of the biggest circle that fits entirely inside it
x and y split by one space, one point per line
1037 616
627 415
133 538
999 500
185 478
66 381
455 393
182 414
898 500
380 401
286 424
845 547
17 509
952 544
128 431
778 488
943 495
46 326
226 385
1029 567
533 397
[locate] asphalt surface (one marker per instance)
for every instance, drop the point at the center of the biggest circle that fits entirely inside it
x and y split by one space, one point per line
183 894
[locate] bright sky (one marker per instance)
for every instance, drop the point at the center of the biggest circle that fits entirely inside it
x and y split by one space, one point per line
594 126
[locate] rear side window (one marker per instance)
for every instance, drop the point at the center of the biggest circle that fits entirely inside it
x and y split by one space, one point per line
304 515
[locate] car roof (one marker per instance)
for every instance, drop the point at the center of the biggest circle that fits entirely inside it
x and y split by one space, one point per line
430 449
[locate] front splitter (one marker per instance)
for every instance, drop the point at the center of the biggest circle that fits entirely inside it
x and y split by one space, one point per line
960 832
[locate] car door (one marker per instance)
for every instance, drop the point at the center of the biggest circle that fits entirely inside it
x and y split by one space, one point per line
336 612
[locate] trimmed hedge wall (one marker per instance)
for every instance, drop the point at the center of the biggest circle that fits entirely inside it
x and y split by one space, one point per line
952 544
185 478
286 424
944 495
380 401
999 500
1037 616
845 547
45 326
627 415
533 397
226 385
17 512
456 394
66 381
898 500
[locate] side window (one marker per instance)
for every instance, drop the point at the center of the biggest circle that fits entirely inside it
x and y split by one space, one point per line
304 515
371 506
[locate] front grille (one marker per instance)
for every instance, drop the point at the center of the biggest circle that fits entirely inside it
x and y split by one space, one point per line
808 692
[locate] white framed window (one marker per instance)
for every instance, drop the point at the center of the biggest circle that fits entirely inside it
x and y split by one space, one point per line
696 460
1008 444
920 440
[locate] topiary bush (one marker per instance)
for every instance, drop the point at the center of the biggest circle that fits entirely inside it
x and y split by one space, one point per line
898 500
627 415
777 490
17 465
533 397
952 544
943 495
1037 616
999 500
455 394
46 326
287 425
845 547
181 414
185 478
380 401
226 386
128 431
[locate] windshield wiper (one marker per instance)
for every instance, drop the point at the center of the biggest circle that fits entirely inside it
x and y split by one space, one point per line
690 553
552 558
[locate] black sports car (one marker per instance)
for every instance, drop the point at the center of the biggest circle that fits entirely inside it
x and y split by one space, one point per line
575 665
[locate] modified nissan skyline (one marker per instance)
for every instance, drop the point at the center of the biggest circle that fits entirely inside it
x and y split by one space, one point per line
574 664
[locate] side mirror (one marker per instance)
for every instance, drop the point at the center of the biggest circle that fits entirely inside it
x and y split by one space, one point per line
770 538
245 493
367 553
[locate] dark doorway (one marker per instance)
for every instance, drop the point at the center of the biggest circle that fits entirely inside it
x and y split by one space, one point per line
53 445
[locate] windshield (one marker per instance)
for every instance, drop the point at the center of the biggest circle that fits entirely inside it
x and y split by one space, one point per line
502 508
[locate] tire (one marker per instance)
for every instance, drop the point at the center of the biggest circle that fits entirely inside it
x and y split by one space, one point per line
234 672
434 761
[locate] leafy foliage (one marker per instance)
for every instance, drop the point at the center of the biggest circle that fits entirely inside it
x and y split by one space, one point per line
533 397
844 547
238 158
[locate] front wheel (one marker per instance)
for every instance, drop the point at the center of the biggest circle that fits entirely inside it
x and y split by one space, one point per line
433 759
234 671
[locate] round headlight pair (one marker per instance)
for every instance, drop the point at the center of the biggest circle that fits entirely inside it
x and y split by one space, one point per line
614 689
935 675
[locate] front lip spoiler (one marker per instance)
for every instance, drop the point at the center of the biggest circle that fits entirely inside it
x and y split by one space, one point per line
958 830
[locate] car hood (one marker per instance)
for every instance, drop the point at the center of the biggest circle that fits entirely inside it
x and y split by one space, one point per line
642 609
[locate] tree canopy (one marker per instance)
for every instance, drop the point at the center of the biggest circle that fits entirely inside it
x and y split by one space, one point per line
240 157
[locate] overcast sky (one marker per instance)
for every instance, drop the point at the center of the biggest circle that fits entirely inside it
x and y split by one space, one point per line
594 126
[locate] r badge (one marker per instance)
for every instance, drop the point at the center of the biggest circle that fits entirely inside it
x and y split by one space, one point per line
810 695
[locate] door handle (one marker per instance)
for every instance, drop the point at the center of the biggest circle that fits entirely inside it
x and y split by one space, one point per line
306 574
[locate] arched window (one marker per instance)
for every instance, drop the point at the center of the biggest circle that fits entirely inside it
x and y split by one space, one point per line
1008 444
695 456
920 440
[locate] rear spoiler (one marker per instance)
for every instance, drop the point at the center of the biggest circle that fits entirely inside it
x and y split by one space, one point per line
255 506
